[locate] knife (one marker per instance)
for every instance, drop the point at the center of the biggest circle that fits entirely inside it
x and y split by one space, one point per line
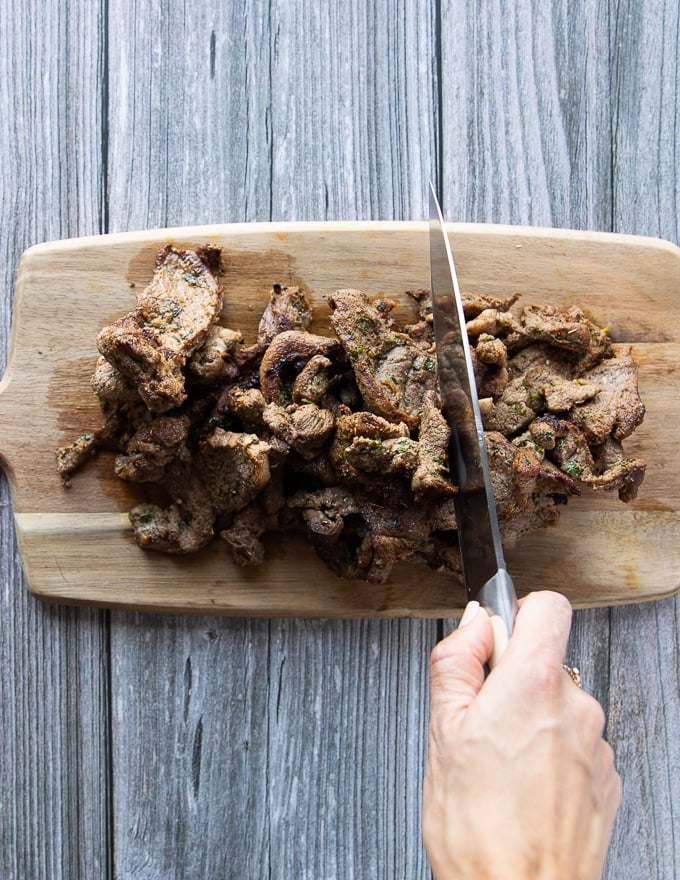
484 573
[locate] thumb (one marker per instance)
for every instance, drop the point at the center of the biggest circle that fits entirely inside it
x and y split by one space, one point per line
457 662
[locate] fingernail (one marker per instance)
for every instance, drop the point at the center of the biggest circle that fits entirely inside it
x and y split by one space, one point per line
469 614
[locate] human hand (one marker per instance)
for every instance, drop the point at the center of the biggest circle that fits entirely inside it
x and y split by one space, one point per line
519 782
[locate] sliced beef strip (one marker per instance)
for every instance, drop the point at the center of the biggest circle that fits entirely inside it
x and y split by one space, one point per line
187 524
365 426
392 371
151 449
475 303
431 478
617 408
526 490
234 468
243 536
287 309
566 445
213 361
110 385
287 355
540 378
174 313
571 330
121 420
313 381
304 428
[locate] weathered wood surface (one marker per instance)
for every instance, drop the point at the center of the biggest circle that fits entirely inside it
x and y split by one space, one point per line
143 746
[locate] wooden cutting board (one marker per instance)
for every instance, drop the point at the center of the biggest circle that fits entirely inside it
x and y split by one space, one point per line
76 543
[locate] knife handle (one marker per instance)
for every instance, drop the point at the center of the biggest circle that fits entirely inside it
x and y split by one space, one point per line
498 597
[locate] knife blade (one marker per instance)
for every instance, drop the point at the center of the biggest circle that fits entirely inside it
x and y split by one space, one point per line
484 573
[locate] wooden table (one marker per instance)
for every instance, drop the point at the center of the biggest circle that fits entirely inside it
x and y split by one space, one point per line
149 746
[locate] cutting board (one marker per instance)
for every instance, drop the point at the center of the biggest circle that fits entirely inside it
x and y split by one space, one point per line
76 544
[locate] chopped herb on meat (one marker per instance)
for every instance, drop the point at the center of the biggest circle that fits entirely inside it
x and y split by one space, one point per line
342 438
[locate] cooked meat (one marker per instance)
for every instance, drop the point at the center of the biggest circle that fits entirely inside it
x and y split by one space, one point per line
213 361
234 468
173 317
343 438
285 357
151 448
363 426
313 381
109 384
304 428
616 409
186 525
393 373
287 309
243 536
431 478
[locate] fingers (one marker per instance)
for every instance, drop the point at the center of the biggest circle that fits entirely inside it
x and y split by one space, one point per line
457 662
541 631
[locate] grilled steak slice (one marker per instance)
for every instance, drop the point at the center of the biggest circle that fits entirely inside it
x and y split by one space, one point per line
616 409
304 428
234 468
287 355
288 309
186 526
431 478
392 371
243 536
151 448
174 313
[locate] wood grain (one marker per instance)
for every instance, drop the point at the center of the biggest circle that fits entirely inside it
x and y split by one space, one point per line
76 543
131 114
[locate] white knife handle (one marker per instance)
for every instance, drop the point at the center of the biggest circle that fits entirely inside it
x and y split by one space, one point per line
498 597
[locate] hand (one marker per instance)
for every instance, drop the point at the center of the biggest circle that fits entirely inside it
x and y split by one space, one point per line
519 782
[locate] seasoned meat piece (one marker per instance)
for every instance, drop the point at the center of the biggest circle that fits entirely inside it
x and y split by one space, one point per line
312 382
570 330
525 490
110 385
567 446
288 309
562 394
151 448
431 478
304 428
243 536
622 473
286 356
186 526
540 378
490 363
475 303
422 332
246 404
213 361
174 313
234 468
494 322
393 373
617 408
114 433
365 426
396 455
324 510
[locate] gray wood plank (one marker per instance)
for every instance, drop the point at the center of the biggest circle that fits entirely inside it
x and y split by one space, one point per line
644 710
54 762
569 112
294 115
